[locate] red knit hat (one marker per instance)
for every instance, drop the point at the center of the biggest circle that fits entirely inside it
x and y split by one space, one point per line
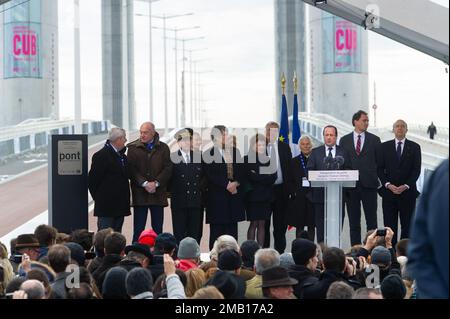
147 237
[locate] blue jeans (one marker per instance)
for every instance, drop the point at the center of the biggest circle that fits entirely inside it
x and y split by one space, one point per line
140 219
115 223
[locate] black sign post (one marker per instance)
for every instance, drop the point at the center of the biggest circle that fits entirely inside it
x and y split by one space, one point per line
68 182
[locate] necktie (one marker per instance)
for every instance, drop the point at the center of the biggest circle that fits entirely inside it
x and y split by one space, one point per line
229 161
358 145
329 152
399 150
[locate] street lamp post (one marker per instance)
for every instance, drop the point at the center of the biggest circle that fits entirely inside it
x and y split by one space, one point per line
164 17
150 57
183 82
176 30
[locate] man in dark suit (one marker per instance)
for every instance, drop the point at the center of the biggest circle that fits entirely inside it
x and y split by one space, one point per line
399 164
225 174
109 182
326 157
281 154
361 146
185 189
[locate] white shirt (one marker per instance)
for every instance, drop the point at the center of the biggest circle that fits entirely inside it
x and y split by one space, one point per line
186 156
403 144
279 179
355 139
333 151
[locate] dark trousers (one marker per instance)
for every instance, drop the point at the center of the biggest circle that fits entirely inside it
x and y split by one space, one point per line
140 219
392 208
279 211
369 198
217 230
186 222
115 223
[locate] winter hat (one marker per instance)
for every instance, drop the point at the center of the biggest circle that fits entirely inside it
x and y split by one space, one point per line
229 259
114 286
303 250
166 242
380 256
148 237
392 287
188 249
76 253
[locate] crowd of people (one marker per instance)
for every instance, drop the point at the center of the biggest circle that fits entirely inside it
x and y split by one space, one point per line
265 186
83 265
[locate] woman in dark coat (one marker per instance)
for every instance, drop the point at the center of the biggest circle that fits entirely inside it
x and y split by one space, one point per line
300 208
259 188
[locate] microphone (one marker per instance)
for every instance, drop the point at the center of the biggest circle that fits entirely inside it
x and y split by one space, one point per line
328 162
339 161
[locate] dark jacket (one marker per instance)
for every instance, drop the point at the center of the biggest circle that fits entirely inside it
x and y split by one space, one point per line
366 161
304 276
129 264
259 184
186 183
59 290
221 206
146 165
399 172
285 155
108 262
319 289
316 162
109 183
393 269
428 248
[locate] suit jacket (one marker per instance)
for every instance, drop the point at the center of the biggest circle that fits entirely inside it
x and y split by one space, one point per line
399 172
285 155
109 184
186 182
316 162
221 206
366 161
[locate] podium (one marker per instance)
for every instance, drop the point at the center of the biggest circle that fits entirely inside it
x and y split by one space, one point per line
333 181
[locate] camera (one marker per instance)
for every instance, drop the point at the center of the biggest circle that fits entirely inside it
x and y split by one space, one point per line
381 232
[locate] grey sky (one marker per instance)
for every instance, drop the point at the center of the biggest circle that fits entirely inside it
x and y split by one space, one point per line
240 41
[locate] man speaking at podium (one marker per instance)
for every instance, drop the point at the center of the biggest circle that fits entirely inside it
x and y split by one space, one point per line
326 157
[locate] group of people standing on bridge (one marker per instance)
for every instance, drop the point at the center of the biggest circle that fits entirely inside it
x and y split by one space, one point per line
266 185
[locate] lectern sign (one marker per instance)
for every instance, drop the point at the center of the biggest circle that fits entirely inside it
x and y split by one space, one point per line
70 159
333 176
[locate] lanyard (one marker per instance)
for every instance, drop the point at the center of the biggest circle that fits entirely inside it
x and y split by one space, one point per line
302 160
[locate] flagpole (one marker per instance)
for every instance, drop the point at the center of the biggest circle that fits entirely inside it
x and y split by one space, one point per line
283 83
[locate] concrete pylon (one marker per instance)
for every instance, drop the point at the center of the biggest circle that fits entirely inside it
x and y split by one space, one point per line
118 63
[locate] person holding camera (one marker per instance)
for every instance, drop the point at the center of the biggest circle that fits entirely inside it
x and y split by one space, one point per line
382 256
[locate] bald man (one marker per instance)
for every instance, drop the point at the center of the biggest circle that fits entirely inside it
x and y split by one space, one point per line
151 169
399 163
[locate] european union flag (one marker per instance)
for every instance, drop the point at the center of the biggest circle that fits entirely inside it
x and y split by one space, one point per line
284 123
295 128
